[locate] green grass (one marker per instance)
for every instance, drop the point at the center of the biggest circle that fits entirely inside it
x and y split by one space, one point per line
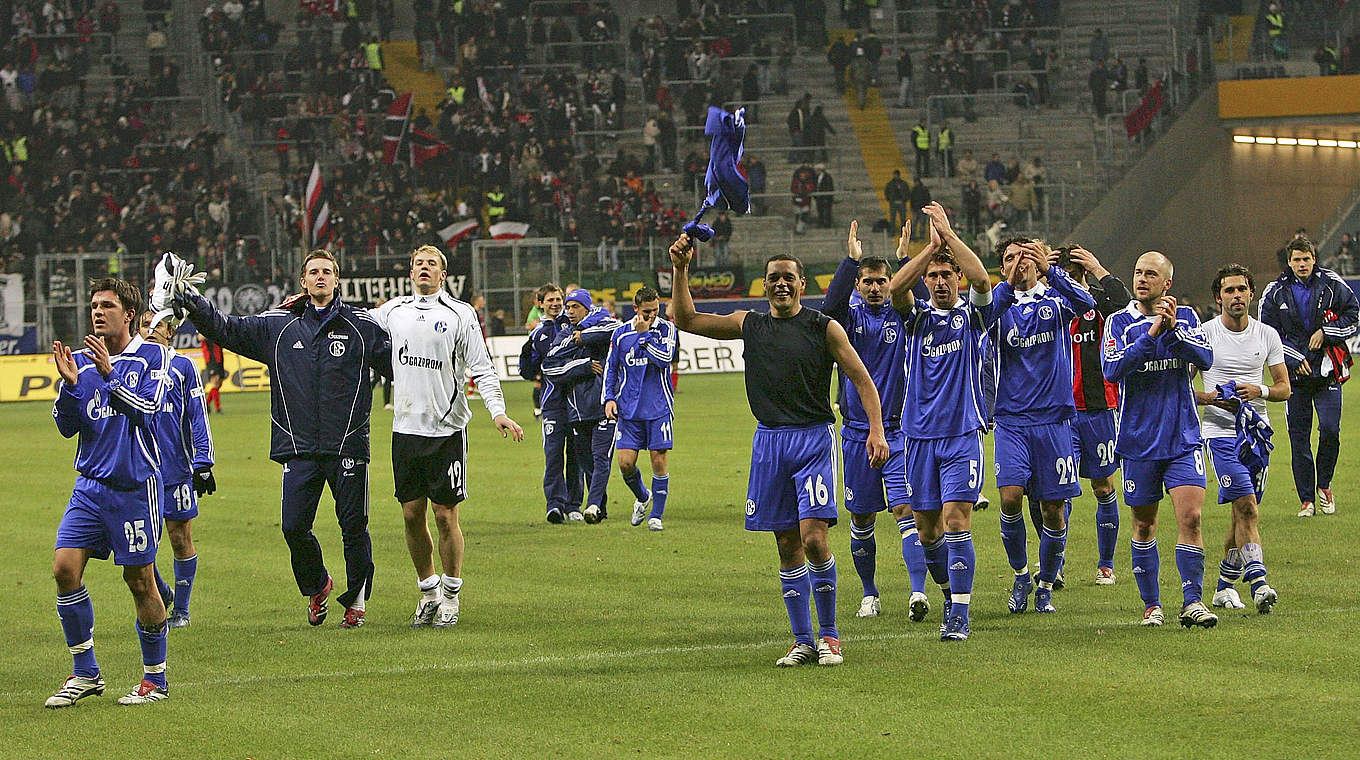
591 641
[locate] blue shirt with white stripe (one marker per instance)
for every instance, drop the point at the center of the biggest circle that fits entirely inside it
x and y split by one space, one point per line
637 371
944 367
1157 414
115 416
182 431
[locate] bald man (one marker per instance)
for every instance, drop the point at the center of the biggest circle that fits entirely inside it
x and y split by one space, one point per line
1149 349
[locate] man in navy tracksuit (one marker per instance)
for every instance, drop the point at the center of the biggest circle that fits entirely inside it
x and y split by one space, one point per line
575 364
1315 312
561 477
319 352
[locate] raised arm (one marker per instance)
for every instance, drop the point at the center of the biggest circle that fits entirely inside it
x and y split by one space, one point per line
970 265
1121 357
1187 340
248 336
836 302
659 343
68 410
911 269
720 326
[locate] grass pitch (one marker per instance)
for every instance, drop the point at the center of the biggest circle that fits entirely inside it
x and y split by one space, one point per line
610 641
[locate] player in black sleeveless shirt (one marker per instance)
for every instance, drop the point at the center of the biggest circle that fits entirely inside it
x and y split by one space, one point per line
790 353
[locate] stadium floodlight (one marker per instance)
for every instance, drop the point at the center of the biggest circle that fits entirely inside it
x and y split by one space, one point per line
1265 141
1347 144
1308 141
1286 141
1327 143
1244 139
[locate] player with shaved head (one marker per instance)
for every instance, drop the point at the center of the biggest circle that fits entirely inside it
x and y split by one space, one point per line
1150 349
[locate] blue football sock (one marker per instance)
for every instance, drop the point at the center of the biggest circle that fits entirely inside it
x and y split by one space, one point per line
1067 520
797 585
153 653
77 622
1107 528
864 552
962 560
824 591
1013 539
185 570
1254 566
912 553
1229 569
161 585
1052 545
661 486
1146 570
1190 564
937 561
634 482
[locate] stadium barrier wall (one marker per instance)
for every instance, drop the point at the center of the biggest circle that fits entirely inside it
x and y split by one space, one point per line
34 377
1306 96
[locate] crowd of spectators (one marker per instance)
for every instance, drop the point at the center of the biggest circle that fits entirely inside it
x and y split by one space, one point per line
95 162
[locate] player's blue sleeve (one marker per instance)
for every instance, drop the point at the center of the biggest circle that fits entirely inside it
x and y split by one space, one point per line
1077 300
836 302
248 336
612 368
659 345
985 306
1003 297
67 409
1119 358
567 362
194 420
1188 341
139 401
530 363
1347 313
1268 311
597 336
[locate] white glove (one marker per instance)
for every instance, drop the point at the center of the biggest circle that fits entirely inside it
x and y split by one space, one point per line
175 278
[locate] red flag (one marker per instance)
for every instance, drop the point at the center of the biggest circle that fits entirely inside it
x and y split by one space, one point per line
425 146
454 233
394 127
508 230
315 212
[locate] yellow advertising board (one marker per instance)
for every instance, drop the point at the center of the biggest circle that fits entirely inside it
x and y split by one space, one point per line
33 377
1296 96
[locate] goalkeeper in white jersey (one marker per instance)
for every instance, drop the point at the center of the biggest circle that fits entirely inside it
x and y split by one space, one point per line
436 340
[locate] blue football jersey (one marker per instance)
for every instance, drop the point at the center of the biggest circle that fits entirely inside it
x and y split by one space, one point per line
637 372
1157 415
944 367
1034 350
114 417
182 431
878 337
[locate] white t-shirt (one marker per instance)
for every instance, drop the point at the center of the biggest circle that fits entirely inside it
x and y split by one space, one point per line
1240 356
436 340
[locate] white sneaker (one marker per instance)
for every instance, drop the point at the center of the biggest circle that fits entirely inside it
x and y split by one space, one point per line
1195 613
144 693
1265 598
798 654
829 651
575 516
1307 509
591 514
640 510
448 612
654 523
869 607
982 503
426 609
918 607
1325 502
1104 576
76 688
1153 616
1228 599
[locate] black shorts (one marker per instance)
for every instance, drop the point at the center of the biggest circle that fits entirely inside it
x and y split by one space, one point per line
215 369
433 468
